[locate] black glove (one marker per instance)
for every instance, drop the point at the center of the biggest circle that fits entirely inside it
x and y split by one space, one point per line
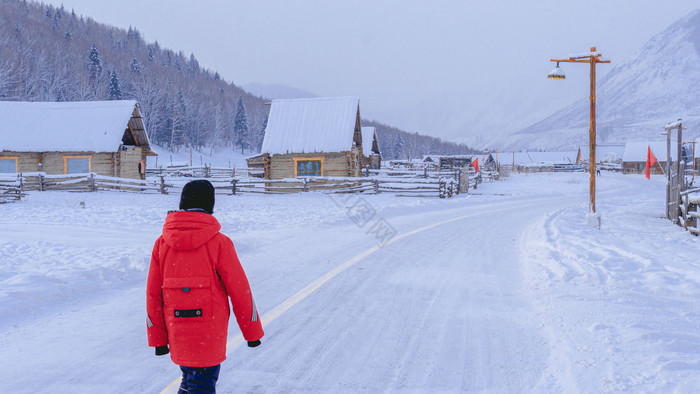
254 343
162 350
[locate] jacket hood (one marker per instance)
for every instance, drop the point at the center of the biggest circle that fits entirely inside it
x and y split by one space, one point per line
185 230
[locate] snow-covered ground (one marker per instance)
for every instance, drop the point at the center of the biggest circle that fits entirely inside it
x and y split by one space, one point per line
504 290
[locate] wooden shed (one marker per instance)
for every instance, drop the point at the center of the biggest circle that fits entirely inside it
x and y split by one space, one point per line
104 137
635 157
371 156
448 163
311 137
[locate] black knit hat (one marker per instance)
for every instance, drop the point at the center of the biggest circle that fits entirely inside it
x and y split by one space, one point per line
198 194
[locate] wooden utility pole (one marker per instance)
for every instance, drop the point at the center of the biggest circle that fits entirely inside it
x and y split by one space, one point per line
593 58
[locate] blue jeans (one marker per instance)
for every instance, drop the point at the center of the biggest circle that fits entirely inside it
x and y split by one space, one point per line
199 380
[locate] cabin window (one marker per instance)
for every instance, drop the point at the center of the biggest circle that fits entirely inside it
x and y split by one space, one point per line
8 164
77 164
309 168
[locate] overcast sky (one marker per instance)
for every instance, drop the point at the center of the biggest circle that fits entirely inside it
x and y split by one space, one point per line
439 67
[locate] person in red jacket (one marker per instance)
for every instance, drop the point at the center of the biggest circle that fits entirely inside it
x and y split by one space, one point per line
194 270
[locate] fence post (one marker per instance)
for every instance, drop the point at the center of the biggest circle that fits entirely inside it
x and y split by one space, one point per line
376 186
20 179
233 185
306 185
91 183
163 190
459 180
42 180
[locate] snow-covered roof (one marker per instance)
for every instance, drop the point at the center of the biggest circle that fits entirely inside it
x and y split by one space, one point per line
64 126
311 125
368 136
637 151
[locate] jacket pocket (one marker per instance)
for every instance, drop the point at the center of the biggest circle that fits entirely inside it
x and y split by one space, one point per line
188 299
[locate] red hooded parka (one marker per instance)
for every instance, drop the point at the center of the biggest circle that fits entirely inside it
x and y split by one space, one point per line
194 270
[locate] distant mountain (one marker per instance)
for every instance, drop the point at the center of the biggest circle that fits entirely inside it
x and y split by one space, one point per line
276 91
656 86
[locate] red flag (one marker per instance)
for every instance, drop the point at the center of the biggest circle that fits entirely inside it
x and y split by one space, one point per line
651 160
475 163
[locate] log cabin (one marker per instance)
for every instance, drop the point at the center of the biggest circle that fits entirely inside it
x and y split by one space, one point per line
371 157
102 137
311 137
635 157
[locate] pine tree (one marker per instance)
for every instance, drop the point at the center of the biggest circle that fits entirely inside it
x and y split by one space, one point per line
135 67
398 146
115 87
240 126
56 22
94 69
95 64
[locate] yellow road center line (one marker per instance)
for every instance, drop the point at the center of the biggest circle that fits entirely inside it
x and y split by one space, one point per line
235 342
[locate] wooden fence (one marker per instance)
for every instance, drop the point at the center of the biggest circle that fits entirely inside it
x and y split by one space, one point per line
689 214
200 172
10 189
87 182
443 187
420 183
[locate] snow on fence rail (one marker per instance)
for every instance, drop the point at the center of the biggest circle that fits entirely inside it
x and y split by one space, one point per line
86 182
689 213
399 182
442 187
200 171
10 189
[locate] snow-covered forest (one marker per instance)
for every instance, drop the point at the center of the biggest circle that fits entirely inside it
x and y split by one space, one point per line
53 54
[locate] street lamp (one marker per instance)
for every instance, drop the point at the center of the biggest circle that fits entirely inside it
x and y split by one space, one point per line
593 58
557 73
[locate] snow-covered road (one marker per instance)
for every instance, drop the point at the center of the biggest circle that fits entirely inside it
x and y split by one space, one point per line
501 291
439 308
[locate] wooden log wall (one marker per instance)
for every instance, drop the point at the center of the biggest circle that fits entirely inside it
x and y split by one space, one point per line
129 158
124 163
334 164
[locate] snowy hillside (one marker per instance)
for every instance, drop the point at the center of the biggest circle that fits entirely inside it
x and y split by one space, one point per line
276 91
657 85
